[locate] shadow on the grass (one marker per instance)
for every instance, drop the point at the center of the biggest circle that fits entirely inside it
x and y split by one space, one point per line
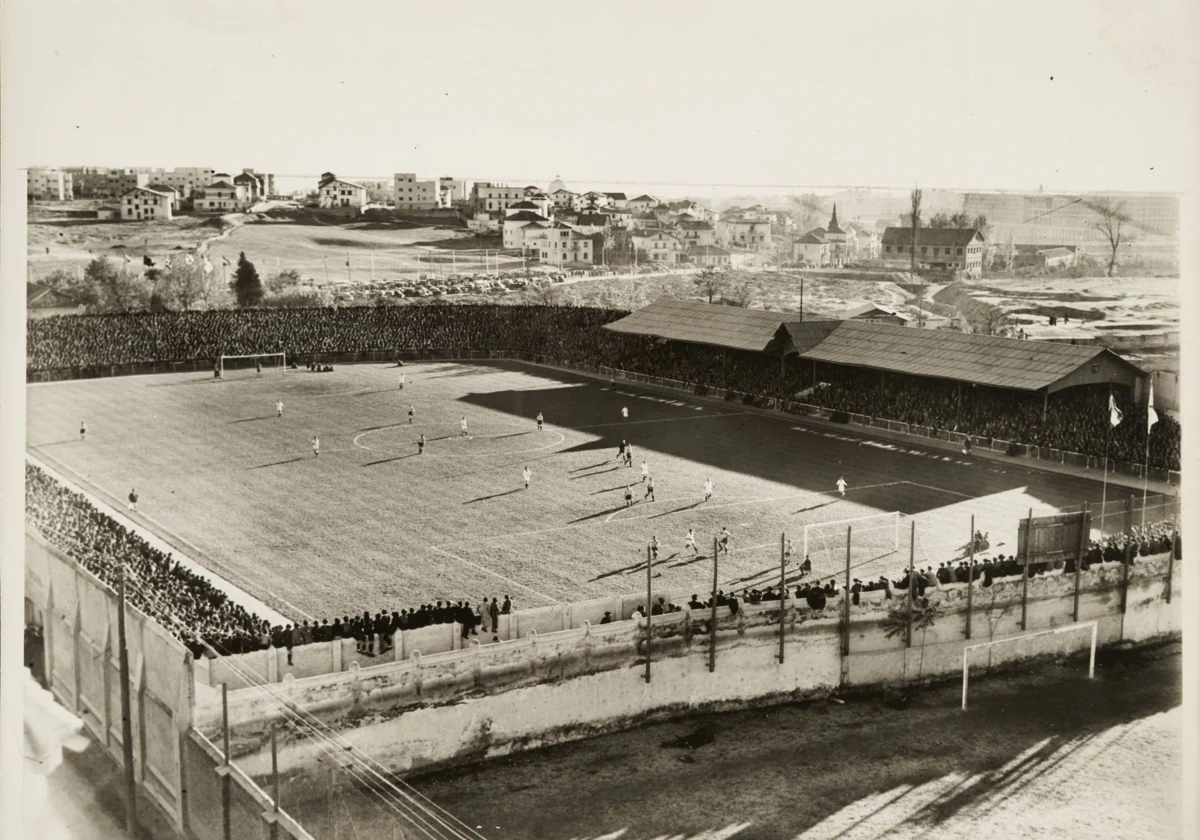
597 515
493 496
277 463
599 472
252 419
390 460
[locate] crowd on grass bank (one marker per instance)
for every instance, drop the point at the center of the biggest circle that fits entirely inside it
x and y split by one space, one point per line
205 620
1141 541
1076 420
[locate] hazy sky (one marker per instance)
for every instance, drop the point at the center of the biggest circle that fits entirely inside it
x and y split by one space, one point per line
1073 95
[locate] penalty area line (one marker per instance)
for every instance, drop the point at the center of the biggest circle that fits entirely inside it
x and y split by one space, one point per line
495 574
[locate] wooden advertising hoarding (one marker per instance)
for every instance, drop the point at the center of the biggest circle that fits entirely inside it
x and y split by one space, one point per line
1054 537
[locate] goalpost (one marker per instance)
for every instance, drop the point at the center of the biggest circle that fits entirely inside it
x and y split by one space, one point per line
270 362
873 536
1056 631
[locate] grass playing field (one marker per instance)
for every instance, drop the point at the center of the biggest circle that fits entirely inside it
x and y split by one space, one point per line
370 523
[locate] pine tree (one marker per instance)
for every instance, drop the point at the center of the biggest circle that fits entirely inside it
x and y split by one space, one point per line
247 286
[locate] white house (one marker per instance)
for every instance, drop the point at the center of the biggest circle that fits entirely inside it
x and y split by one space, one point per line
642 203
563 198
709 256
220 197
746 233
142 203
563 245
696 233
513 225
540 204
811 250
339 193
659 246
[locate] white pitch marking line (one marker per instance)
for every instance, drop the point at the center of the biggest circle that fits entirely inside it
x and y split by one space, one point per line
456 439
662 420
494 574
702 507
938 489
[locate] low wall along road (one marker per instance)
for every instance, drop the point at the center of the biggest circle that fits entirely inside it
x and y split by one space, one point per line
431 711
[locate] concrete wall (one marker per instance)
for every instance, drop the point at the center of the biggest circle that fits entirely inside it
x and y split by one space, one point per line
489 700
175 767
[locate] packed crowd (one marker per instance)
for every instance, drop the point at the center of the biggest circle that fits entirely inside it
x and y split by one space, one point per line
207 621
1141 541
184 603
1076 420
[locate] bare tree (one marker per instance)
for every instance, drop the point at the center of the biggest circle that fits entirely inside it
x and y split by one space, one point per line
740 292
710 282
960 221
808 207
1112 218
939 221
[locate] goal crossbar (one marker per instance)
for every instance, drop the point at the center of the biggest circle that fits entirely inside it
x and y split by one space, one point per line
1094 625
227 357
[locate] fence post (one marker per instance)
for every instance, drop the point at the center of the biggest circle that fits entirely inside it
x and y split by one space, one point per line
782 590
1125 560
226 828
1084 527
1171 561
1025 569
846 602
649 608
712 625
126 705
912 584
971 576
274 815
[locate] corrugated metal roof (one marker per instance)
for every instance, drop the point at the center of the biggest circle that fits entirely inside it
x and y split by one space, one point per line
702 323
985 359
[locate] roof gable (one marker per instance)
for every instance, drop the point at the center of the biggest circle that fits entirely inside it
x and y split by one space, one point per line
936 237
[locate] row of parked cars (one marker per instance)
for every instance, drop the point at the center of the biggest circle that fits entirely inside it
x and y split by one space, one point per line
432 285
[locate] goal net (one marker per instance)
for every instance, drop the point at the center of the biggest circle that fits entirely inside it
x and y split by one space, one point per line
871 538
250 365
1058 641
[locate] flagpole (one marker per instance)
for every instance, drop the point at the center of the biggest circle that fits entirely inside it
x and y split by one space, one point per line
1107 440
1151 419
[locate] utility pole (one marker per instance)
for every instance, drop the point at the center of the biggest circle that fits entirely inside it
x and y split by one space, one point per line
126 709
915 218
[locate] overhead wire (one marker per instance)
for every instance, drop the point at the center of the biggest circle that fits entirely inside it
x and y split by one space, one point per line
330 746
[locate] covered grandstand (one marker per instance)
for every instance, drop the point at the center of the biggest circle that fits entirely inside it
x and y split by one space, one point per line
984 360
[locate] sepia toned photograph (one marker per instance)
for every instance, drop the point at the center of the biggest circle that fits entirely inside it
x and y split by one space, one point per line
563 422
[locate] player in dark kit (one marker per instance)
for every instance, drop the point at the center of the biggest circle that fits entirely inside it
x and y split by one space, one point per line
257 368
621 451
420 444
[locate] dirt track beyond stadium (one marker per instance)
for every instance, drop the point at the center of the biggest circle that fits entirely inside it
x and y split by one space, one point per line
372 524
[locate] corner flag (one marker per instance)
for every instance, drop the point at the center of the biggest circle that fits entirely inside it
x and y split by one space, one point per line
1114 413
1152 416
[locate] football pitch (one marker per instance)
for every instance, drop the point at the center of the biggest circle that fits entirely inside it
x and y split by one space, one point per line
370 523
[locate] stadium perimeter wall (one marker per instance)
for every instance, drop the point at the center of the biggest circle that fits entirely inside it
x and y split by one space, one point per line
430 712
1041 453
176 768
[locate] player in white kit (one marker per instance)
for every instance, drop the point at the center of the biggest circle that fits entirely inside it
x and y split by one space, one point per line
279 408
527 475
708 488
841 486
539 421
463 427
402 382
690 541
645 471
625 412
316 446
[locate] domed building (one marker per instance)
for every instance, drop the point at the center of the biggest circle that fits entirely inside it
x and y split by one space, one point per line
556 185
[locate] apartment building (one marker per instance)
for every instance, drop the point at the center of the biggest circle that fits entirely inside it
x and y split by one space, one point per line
412 194
142 204
514 225
45 183
489 196
169 192
185 180
696 233
103 182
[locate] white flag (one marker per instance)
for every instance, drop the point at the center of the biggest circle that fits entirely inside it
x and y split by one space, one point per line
1114 413
189 259
167 262
208 267
1152 417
